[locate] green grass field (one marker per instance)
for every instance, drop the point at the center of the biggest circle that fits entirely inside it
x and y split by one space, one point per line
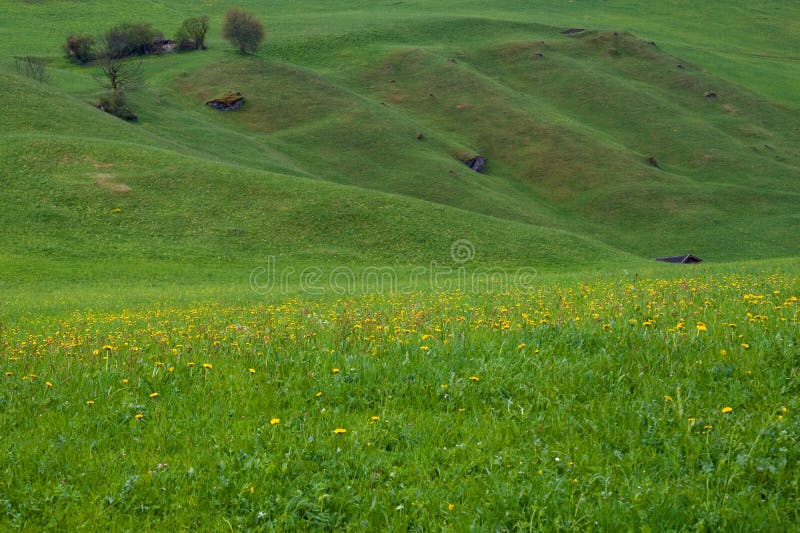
192 305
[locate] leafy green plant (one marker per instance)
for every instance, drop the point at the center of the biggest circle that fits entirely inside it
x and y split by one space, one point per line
192 34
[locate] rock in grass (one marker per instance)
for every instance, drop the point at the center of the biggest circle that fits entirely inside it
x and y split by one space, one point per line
227 102
477 163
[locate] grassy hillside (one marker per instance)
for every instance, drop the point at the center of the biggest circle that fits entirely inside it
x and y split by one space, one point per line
325 162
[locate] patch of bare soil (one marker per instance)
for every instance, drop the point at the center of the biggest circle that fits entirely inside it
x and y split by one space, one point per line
107 181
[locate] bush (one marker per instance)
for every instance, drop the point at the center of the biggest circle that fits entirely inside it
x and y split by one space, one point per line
32 67
116 103
80 48
243 30
192 34
130 39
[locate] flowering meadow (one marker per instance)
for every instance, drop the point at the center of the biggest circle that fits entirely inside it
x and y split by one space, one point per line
615 403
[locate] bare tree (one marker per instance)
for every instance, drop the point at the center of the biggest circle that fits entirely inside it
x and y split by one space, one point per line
243 30
119 75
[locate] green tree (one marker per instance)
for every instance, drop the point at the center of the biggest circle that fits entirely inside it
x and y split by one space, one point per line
192 33
243 30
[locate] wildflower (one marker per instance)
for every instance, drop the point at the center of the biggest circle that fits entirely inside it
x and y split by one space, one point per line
521 345
667 398
190 363
374 418
701 327
727 409
251 370
335 370
339 431
89 402
275 421
723 352
107 347
207 366
124 381
9 374
745 345
318 394
708 427
474 378
424 348
138 416
153 395
171 369
48 384
159 364
450 506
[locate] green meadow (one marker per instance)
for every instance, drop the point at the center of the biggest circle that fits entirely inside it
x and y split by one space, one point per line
309 313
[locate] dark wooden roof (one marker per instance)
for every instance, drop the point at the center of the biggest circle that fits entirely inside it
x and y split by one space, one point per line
683 259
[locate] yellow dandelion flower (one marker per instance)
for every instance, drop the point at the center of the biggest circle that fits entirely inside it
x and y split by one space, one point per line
171 369
251 370
424 348
521 345
159 364
138 416
335 370
190 363
318 394
708 427
48 384
374 418
701 327
727 409
474 378
153 395
745 345
450 506
9 374
723 352
339 431
207 366
274 421
667 398
89 402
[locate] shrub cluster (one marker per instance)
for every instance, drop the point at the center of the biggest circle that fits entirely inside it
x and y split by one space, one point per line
80 48
116 103
129 39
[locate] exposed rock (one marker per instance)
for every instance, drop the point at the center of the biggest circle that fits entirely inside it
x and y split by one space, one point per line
572 31
228 102
420 136
477 163
710 95
653 162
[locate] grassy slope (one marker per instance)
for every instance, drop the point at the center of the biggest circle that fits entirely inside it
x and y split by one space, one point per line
340 94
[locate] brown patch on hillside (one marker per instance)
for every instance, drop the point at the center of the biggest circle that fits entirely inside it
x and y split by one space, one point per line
107 181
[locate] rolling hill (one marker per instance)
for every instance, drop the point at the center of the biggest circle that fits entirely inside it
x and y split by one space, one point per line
640 135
